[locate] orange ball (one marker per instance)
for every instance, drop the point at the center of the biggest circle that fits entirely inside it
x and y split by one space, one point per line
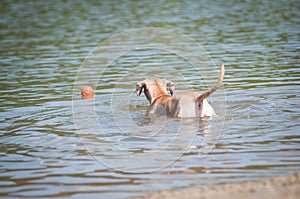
87 92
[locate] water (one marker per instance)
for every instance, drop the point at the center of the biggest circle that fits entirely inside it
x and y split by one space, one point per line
45 152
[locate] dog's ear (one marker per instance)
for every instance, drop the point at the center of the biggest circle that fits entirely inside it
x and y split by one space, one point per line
139 88
171 87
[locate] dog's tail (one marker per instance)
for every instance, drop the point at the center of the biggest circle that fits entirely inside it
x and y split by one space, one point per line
215 87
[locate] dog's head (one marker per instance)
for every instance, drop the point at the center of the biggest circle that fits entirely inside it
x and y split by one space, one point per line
154 87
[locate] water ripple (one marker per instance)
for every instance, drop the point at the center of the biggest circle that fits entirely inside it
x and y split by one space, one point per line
44 43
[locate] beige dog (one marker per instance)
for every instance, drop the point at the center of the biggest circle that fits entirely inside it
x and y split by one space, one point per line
184 104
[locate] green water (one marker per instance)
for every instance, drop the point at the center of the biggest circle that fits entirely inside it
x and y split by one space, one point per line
45 153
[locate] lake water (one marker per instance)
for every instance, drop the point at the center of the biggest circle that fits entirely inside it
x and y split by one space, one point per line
53 144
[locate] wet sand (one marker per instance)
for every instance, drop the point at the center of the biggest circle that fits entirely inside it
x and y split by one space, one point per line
287 187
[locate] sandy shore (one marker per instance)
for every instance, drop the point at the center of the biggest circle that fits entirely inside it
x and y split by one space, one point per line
287 187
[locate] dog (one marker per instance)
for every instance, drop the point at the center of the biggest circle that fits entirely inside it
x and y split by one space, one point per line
183 105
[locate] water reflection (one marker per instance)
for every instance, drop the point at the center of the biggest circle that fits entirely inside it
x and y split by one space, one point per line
43 45
128 147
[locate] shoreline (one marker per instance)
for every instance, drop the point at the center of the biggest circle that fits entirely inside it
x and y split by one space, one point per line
287 187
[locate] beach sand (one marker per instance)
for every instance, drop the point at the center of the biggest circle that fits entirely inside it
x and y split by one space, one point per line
287 187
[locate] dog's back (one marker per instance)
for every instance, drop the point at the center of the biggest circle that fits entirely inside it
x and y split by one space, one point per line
184 104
